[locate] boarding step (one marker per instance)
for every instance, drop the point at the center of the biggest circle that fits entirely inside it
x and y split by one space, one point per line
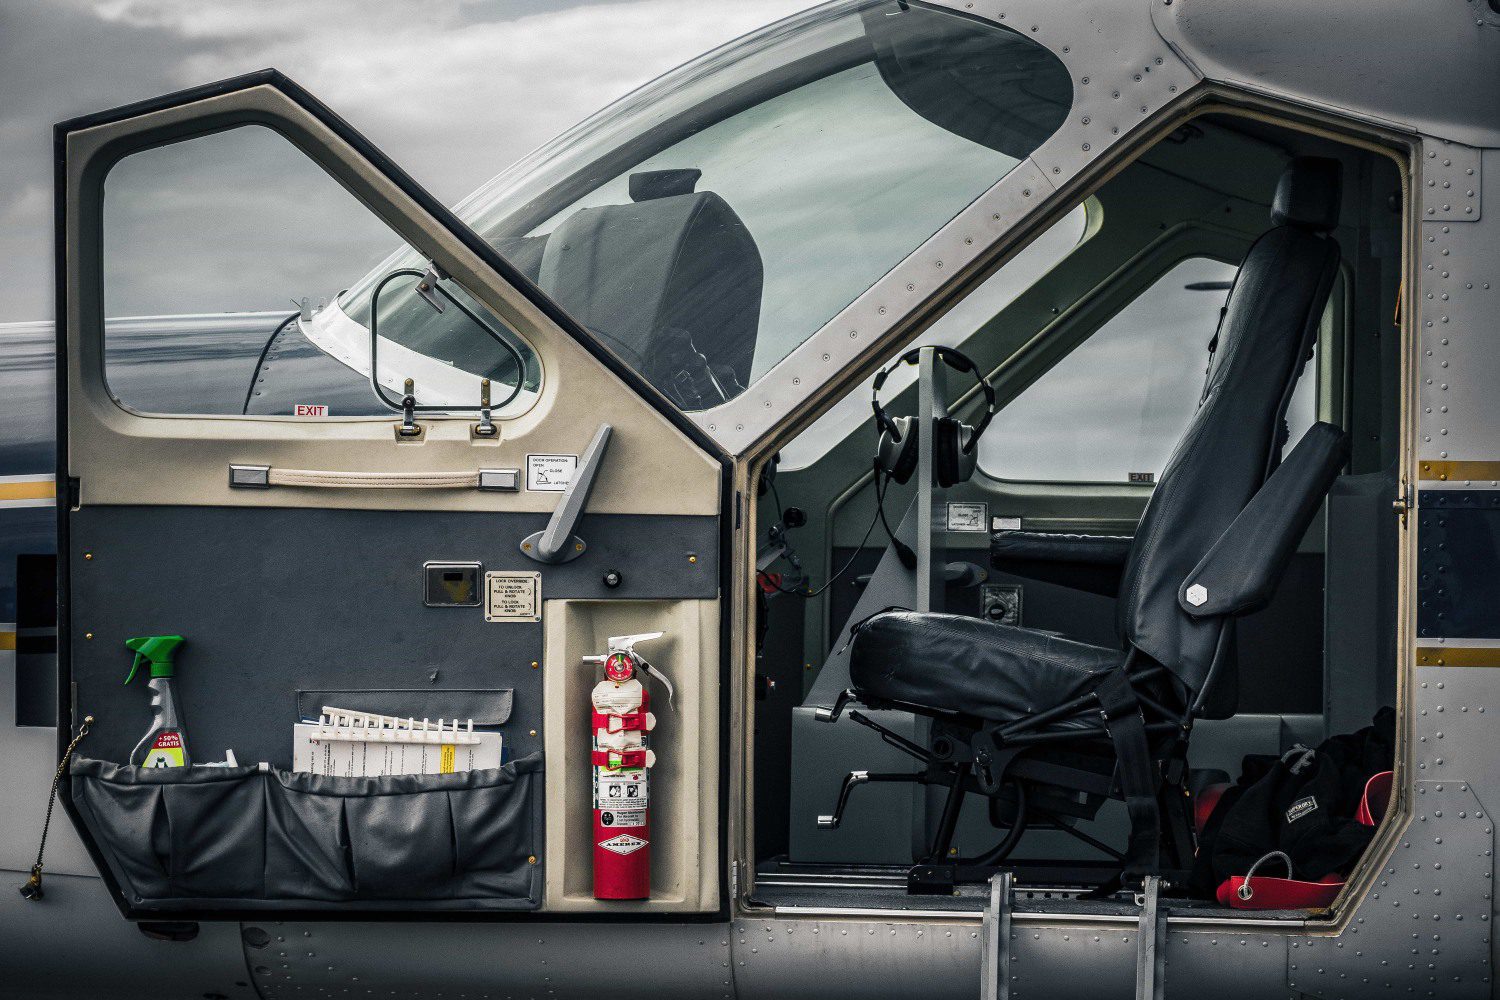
995 977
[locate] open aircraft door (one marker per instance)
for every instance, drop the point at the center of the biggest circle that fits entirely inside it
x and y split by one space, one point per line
436 571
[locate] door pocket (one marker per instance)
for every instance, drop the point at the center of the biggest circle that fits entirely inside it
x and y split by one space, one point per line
204 838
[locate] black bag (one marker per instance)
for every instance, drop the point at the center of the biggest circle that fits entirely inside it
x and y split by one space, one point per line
1302 804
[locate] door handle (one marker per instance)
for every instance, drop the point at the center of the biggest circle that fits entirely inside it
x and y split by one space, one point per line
557 542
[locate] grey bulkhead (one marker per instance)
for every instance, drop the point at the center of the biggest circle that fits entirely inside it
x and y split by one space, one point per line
1424 910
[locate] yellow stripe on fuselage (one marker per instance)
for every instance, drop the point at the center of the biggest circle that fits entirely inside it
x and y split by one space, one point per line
27 489
36 489
1458 656
7 640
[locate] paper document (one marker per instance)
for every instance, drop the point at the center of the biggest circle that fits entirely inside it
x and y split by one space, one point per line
362 744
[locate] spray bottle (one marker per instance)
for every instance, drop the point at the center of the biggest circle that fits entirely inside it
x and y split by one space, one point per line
165 743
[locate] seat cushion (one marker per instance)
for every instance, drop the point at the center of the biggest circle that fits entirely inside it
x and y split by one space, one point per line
954 663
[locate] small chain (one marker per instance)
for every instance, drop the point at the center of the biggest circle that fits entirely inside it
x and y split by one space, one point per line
33 887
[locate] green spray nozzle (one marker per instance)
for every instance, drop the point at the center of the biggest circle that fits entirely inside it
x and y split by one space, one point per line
154 649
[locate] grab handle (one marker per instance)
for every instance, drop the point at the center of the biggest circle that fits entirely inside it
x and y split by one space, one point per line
263 477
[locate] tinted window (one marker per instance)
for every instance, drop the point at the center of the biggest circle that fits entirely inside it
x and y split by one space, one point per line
709 224
956 328
1115 406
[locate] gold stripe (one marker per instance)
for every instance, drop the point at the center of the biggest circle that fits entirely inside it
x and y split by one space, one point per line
44 489
1458 656
1435 471
7 640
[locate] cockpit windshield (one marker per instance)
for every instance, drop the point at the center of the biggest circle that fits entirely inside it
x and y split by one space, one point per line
706 225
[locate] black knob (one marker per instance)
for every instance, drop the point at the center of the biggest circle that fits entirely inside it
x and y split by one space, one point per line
613 579
794 517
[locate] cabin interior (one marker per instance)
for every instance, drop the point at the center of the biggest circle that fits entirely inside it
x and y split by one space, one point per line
1096 337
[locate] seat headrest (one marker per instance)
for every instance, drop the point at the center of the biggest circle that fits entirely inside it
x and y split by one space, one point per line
1308 194
664 279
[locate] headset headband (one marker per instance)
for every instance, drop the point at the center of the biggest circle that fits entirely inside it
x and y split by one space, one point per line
955 359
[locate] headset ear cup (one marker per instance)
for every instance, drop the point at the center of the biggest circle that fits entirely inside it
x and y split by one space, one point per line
965 460
953 465
945 451
899 457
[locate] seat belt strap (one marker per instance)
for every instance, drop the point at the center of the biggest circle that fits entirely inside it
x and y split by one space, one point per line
1127 731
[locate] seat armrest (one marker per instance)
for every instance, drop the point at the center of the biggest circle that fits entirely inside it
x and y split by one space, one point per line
1241 571
1053 546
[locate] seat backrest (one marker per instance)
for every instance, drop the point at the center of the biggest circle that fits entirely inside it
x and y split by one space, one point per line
1234 440
672 281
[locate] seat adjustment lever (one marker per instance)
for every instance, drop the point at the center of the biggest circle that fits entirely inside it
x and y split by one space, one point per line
851 780
839 704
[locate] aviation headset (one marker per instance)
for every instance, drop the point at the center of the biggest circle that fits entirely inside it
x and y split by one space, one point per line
954 442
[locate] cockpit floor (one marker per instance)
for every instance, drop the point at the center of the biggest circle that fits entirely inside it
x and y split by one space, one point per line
792 888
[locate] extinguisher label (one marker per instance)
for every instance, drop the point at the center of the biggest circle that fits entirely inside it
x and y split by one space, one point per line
622 817
623 844
617 793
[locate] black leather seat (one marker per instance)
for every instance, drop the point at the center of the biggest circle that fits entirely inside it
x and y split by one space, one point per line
1216 535
992 671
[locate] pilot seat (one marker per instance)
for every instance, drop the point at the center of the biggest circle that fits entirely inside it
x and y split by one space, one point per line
1047 728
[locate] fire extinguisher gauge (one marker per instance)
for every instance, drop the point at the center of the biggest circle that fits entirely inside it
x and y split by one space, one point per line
619 667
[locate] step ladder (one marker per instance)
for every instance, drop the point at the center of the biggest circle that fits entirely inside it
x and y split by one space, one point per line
995 939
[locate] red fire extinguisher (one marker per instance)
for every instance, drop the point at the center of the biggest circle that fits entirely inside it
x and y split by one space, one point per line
620 727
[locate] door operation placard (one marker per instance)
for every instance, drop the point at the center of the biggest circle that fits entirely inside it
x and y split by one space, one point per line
550 473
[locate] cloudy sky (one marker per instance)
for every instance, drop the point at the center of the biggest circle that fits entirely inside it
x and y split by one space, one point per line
453 90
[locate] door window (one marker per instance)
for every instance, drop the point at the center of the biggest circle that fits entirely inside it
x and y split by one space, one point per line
1112 410
221 255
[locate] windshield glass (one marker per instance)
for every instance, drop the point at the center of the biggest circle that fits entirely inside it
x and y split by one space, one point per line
706 225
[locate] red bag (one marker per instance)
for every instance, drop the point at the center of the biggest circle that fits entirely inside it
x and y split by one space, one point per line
1377 798
1262 892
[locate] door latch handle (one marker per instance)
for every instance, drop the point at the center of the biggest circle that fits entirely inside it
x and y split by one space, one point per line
557 542
409 429
1403 504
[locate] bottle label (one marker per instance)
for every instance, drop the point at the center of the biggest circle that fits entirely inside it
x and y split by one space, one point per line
166 751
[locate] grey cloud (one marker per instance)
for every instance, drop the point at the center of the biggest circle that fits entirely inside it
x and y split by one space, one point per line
454 92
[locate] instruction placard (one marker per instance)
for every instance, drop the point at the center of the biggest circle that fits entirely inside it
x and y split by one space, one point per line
968 516
628 792
512 597
550 473
624 818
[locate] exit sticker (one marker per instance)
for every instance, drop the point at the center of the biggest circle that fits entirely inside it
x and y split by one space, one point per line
310 410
